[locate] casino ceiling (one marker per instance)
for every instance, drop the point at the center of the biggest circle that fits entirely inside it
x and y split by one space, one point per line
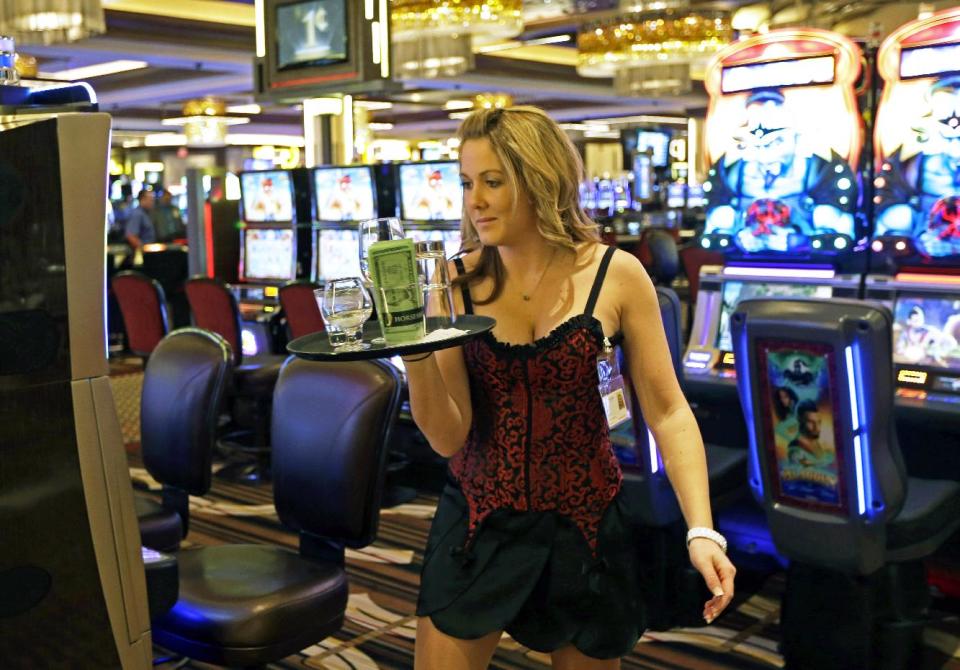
178 50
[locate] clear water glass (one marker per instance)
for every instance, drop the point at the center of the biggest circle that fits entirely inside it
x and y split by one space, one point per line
345 306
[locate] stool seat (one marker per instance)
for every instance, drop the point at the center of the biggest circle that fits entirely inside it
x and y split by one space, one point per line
236 601
929 515
160 528
257 375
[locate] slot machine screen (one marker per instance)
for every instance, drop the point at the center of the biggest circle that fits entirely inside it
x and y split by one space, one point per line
658 143
267 196
588 195
695 196
338 253
642 177
926 331
345 194
676 196
268 254
431 191
605 195
735 291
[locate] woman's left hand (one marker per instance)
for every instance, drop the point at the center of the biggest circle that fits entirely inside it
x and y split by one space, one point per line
718 572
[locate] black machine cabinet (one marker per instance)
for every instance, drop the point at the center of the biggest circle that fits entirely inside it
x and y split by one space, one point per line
71 573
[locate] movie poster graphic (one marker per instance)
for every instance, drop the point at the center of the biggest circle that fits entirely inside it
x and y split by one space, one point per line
801 436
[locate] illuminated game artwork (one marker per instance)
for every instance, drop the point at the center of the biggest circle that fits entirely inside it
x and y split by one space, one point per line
339 254
918 140
735 291
783 137
267 196
268 253
344 194
926 331
431 191
798 383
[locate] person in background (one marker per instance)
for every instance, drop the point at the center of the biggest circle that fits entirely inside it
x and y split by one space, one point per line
532 535
138 228
167 219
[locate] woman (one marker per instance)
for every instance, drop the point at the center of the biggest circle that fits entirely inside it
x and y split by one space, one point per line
531 536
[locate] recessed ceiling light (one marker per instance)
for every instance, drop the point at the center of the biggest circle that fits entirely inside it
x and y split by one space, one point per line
458 104
252 108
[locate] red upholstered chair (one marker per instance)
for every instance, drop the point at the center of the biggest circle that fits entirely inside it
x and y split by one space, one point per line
300 308
144 309
214 307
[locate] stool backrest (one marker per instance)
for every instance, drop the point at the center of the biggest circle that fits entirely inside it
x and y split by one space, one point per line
183 388
300 308
329 432
214 307
144 309
815 379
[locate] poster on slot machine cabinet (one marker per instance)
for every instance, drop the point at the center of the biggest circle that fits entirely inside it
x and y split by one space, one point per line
918 137
799 408
783 138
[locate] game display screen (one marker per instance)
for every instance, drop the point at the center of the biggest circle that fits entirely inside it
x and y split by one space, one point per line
431 191
783 137
268 253
345 194
926 331
735 291
657 143
801 433
267 196
311 33
917 140
338 254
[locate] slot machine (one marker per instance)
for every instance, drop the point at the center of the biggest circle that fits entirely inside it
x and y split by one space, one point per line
916 242
783 138
345 195
276 215
431 202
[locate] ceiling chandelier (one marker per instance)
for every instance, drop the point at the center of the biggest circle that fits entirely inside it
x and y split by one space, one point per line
51 21
434 38
205 122
667 32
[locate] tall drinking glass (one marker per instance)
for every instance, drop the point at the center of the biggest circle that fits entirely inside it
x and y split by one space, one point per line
371 231
345 307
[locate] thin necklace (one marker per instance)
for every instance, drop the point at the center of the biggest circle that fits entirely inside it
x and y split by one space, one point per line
527 296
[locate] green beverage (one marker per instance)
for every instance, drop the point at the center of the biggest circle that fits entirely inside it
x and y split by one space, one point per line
393 268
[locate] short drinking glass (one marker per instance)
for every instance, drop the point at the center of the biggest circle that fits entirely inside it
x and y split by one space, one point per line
345 306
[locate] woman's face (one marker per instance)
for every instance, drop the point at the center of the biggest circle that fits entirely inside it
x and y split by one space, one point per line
785 400
488 197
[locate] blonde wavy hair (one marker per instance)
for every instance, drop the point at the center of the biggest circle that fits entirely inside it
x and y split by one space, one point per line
542 163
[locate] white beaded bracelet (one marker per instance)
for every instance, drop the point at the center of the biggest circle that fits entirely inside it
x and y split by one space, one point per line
709 534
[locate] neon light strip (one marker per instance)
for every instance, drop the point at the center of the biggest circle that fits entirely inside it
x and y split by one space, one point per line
699 356
858 457
799 273
711 308
384 40
854 408
857 446
865 434
746 400
918 278
654 455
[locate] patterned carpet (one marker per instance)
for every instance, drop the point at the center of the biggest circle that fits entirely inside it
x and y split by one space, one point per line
380 627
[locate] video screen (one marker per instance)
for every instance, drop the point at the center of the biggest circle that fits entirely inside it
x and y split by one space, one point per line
926 61
345 194
588 195
676 195
268 253
311 33
267 196
431 191
695 197
338 254
735 291
926 331
605 196
778 74
658 143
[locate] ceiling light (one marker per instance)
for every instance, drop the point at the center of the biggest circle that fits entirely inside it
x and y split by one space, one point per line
411 20
96 70
204 123
242 139
458 104
514 44
164 140
376 125
51 21
373 105
252 108
459 115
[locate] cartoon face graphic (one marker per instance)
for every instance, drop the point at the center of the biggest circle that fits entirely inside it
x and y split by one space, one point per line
769 137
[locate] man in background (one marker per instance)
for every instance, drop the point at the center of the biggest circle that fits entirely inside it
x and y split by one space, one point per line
138 228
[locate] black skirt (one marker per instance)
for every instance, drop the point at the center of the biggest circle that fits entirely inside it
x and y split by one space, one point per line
533 575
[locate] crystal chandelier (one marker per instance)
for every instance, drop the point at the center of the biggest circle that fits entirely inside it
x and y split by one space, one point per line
434 38
51 21
667 31
205 122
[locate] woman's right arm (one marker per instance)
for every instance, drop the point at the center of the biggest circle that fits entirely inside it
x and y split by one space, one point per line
439 390
440 398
